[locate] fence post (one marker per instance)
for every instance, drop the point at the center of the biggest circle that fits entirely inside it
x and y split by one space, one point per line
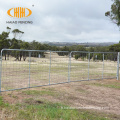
29 67
88 66
69 66
118 61
1 70
103 67
50 68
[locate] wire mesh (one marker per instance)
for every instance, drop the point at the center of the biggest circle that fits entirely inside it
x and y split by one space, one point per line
39 68
31 68
15 70
93 65
110 65
59 67
79 66
96 66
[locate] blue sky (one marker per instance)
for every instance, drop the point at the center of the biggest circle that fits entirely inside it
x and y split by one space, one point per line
63 20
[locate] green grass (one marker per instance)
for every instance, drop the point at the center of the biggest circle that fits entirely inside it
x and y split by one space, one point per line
2 104
53 111
32 109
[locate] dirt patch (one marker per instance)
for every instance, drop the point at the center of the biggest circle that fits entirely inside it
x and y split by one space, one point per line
13 97
77 94
32 101
83 94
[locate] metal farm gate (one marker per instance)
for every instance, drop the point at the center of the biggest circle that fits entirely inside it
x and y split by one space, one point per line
32 68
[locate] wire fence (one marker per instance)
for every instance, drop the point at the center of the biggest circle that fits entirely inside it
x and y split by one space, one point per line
31 68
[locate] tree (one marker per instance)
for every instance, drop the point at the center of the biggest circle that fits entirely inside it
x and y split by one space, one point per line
114 48
17 33
8 29
4 42
15 44
114 14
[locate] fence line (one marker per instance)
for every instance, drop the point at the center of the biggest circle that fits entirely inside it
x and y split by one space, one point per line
21 69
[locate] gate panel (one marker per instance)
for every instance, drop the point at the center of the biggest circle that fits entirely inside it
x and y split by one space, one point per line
15 70
31 68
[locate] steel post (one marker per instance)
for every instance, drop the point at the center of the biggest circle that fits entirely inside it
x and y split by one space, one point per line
69 66
29 67
50 68
1 70
88 66
103 67
118 62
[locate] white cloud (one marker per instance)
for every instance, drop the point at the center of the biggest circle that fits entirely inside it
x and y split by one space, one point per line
63 20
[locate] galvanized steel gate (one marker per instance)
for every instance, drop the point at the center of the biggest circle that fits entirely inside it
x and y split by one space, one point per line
32 68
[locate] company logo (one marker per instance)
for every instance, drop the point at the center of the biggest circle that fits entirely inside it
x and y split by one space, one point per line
19 12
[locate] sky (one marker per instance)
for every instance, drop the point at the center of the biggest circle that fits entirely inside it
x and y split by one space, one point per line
62 20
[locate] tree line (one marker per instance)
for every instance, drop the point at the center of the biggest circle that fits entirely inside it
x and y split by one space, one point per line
17 43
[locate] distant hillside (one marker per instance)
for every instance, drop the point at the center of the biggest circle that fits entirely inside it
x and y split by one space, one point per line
91 44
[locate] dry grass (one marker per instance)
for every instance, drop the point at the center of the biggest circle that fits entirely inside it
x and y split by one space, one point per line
15 74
